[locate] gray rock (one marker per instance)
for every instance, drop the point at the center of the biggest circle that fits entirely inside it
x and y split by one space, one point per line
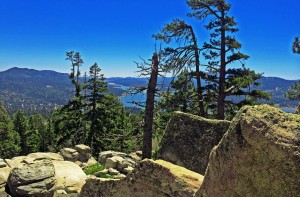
84 152
258 156
113 162
108 154
151 178
112 171
34 179
69 154
189 139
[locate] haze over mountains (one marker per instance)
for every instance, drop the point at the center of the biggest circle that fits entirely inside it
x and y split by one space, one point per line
43 91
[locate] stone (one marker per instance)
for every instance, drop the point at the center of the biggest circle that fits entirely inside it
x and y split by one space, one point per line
14 162
69 154
136 156
91 161
189 139
84 152
119 176
46 155
151 178
258 156
101 173
4 173
69 176
128 170
108 154
2 163
112 171
34 179
112 162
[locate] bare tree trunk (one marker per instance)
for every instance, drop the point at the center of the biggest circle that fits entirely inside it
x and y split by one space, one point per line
198 78
221 96
147 135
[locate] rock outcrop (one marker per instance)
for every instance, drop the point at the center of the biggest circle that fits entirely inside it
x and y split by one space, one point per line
69 176
189 139
117 160
84 152
36 178
150 178
258 156
41 174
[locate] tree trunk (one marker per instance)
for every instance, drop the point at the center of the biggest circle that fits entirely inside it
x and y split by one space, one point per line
198 78
147 135
221 96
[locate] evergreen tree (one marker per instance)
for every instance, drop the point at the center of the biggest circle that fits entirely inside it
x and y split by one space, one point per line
10 139
296 46
96 107
223 50
181 96
185 55
20 126
294 93
68 120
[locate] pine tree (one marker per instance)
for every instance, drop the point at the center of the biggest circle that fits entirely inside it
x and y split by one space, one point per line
294 93
20 126
97 87
186 54
10 139
296 46
223 50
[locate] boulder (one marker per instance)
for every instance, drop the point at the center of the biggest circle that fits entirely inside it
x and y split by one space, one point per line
150 178
2 163
258 156
4 173
189 139
108 154
69 154
84 152
69 176
32 179
46 155
113 162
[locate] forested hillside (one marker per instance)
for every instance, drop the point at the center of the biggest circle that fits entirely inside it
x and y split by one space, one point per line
43 91
37 91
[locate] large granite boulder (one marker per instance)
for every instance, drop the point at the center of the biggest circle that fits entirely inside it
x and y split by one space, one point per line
189 139
69 176
150 178
258 156
36 178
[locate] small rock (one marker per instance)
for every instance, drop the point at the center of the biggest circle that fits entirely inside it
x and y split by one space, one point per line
91 161
102 172
69 154
119 176
136 156
128 170
112 171
108 154
84 152
113 162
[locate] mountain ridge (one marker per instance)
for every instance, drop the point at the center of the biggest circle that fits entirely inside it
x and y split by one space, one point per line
41 91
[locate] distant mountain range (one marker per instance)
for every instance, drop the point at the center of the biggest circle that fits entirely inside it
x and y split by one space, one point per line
42 91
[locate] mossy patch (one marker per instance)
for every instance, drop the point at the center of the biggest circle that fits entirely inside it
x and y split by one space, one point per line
92 169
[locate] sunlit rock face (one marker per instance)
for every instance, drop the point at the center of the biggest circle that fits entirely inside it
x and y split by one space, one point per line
258 156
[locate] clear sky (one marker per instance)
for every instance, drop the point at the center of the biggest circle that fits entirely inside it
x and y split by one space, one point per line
115 33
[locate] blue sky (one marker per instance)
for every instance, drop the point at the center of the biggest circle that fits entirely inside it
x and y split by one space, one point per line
36 34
